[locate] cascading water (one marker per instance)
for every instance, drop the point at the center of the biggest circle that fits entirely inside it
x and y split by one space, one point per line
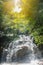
23 50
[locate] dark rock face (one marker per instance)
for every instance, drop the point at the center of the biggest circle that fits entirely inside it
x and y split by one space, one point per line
35 49
41 48
22 52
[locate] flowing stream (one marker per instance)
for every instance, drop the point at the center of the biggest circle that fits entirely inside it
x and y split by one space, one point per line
21 52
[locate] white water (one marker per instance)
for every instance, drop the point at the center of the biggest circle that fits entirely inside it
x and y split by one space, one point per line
32 54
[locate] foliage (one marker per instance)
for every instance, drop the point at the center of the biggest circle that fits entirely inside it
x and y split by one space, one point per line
38 27
29 20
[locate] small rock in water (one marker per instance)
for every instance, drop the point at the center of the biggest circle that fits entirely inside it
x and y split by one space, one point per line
41 62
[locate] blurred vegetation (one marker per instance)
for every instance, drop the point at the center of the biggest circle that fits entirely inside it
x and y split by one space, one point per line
28 21
38 27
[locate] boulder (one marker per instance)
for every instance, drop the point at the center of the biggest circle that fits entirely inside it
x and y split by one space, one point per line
22 52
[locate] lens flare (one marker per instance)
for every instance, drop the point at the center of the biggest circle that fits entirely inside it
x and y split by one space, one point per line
17 7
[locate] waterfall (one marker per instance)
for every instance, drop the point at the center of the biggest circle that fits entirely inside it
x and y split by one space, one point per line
22 50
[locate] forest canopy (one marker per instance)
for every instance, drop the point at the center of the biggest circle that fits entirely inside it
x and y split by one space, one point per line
21 16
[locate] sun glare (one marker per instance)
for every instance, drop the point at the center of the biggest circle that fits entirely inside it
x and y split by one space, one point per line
17 7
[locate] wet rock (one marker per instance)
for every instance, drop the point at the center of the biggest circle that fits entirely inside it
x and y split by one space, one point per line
40 62
35 49
37 52
41 48
22 52
20 42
